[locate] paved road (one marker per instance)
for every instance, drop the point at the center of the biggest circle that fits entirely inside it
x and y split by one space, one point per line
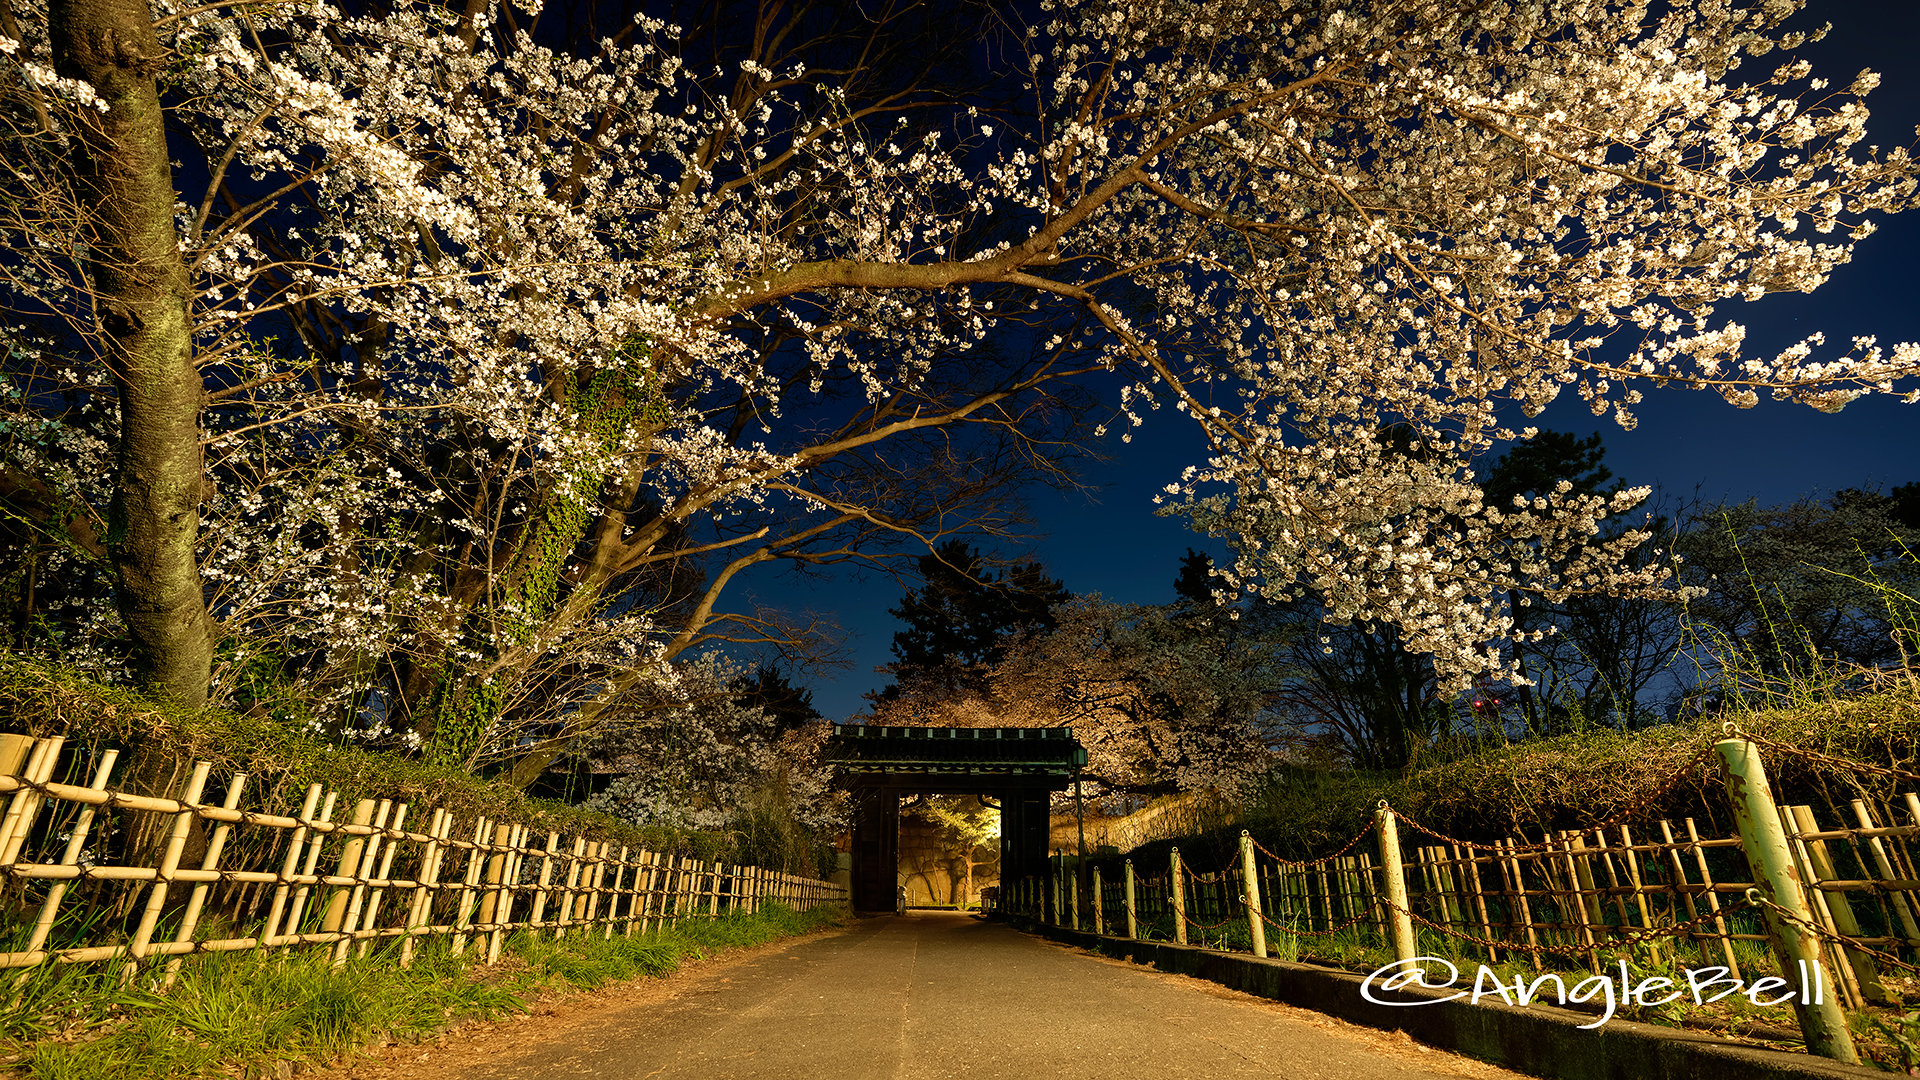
943 995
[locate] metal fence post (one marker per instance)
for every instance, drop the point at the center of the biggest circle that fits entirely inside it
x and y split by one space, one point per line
1099 904
1788 919
1133 923
1400 915
1177 891
1250 883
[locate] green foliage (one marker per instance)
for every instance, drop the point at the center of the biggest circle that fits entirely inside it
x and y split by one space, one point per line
1568 780
42 699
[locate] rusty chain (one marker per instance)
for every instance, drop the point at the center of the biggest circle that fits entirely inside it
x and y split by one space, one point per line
1754 898
1824 759
1357 837
1349 924
1618 936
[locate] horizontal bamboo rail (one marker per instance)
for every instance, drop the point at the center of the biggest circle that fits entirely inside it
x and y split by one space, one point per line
284 881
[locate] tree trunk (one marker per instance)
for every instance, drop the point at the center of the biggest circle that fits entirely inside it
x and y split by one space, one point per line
123 183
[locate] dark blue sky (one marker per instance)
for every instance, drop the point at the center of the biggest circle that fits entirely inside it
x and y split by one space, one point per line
1109 541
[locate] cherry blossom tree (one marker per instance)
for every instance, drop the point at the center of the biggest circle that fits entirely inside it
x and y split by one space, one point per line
506 360
1161 700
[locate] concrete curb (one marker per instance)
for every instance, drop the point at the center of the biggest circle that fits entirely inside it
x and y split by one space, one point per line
1539 1040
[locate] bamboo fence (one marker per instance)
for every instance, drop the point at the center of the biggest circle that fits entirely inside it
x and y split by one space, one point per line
329 877
1560 898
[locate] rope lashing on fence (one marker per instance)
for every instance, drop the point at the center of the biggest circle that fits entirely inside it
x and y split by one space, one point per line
488 873
116 800
1672 781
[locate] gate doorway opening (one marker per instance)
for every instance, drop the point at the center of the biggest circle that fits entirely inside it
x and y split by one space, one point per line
1019 768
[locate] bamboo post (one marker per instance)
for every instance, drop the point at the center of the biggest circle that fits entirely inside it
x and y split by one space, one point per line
618 893
1614 888
1853 971
420 905
24 808
1370 885
682 900
1073 900
1898 850
476 861
289 866
1577 898
360 870
1058 891
1250 877
595 875
1682 887
1099 905
1326 901
1470 870
76 843
1353 890
1177 893
1713 901
1398 913
1633 877
1522 907
648 859
336 910
1883 868
545 882
1592 911
512 838
297 908
569 895
495 874
384 873
196 900
1133 921
661 899
13 753
169 862
670 892
1788 918
587 906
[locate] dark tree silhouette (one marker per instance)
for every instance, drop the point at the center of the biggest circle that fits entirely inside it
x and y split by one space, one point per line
786 706
959 619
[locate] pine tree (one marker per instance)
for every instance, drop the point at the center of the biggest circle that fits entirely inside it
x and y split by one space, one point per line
959 619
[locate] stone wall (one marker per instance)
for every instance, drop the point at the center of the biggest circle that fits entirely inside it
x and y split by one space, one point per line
935 872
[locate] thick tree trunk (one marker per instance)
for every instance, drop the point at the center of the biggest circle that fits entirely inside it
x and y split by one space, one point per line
123 183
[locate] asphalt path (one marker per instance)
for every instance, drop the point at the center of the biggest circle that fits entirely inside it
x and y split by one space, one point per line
939 994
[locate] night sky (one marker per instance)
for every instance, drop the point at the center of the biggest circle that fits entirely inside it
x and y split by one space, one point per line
1689 444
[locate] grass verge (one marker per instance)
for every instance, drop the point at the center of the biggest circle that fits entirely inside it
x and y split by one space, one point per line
240 1013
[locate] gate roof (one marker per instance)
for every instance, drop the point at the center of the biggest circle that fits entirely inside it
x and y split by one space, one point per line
954 760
